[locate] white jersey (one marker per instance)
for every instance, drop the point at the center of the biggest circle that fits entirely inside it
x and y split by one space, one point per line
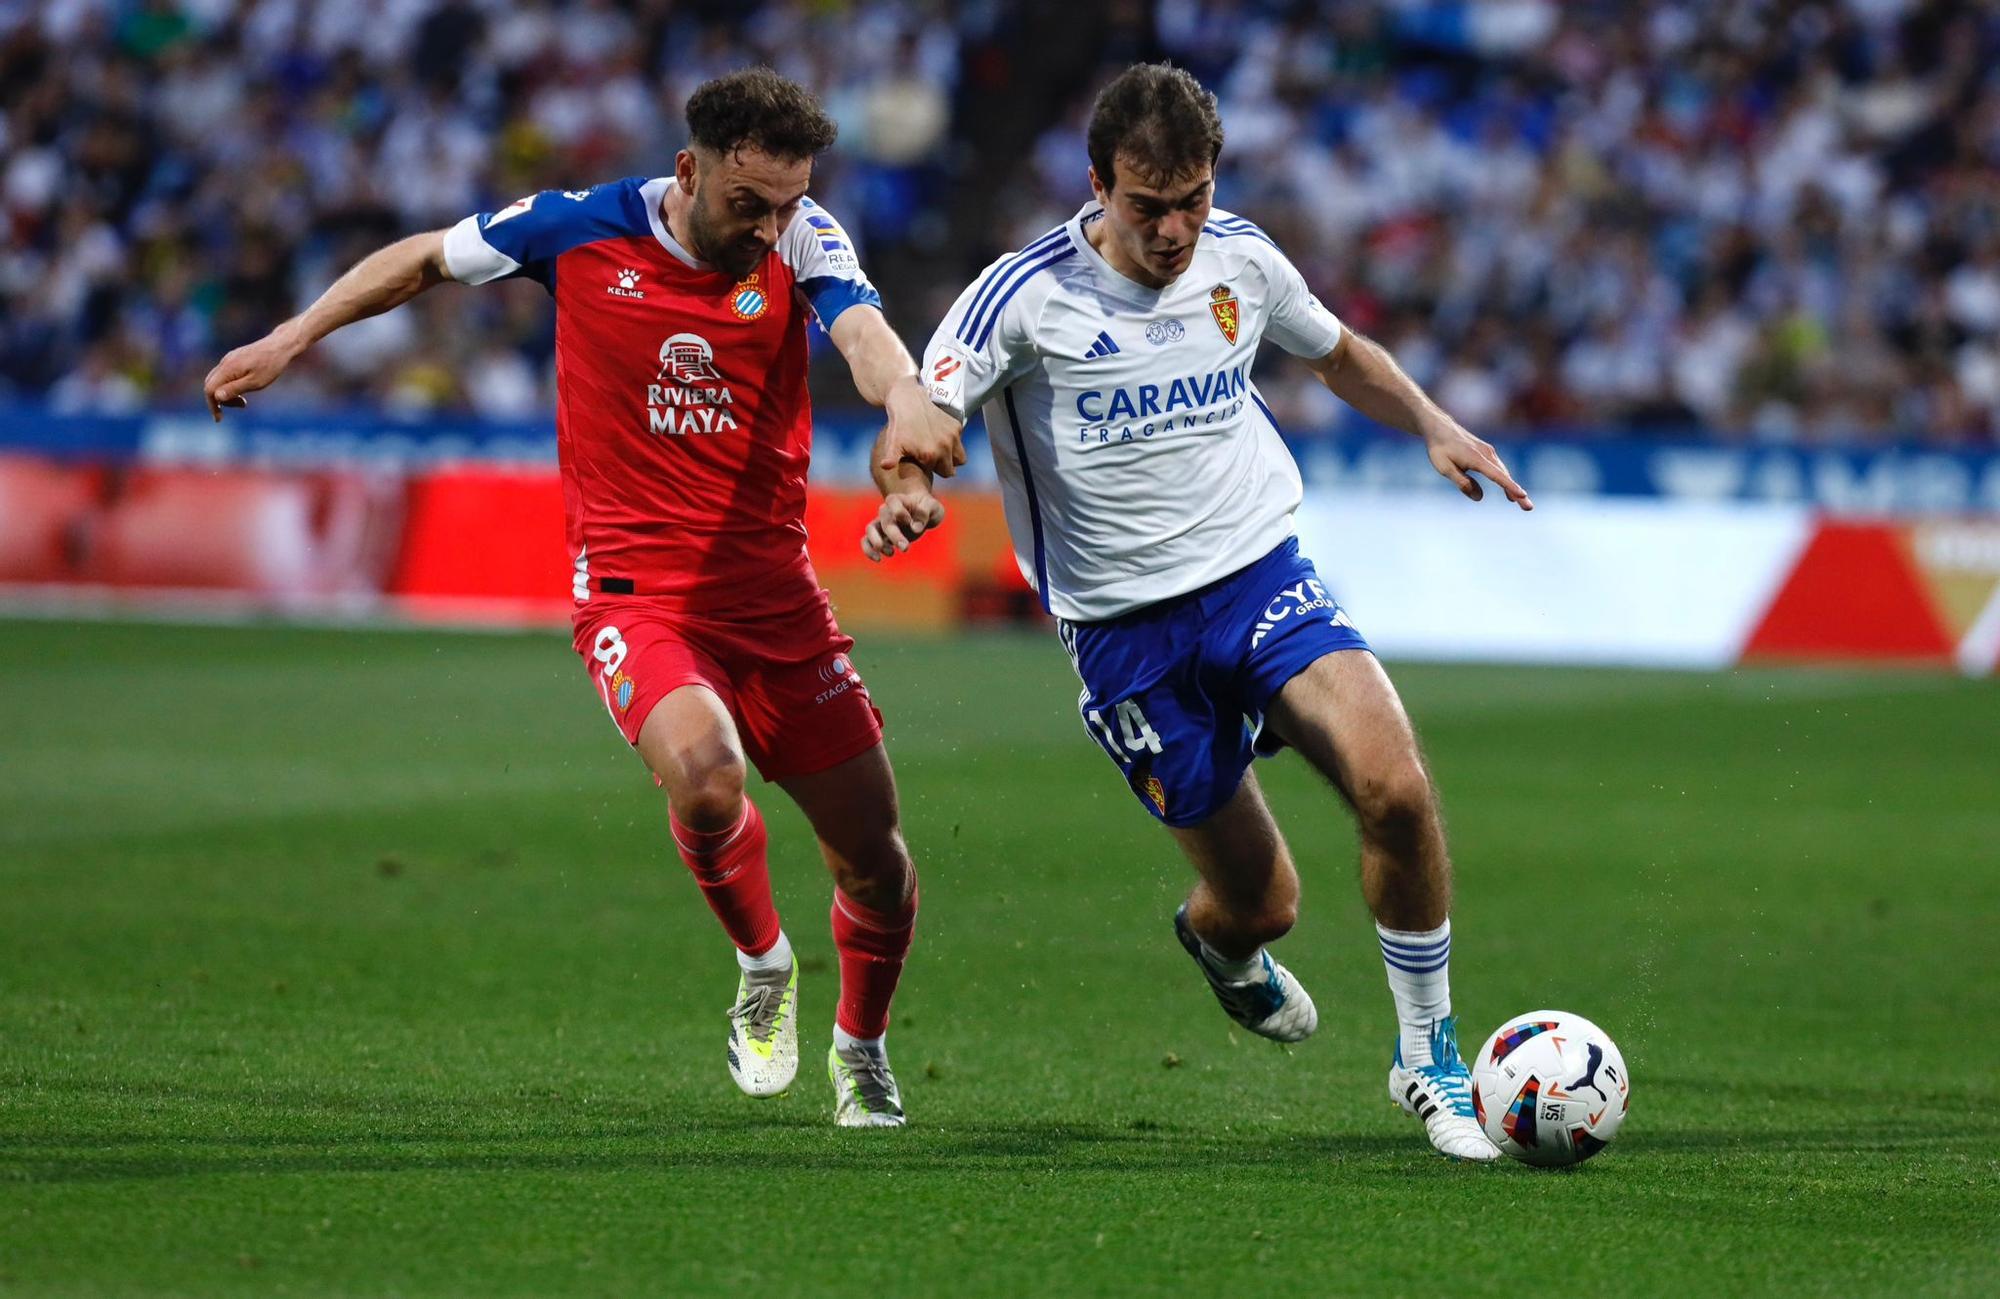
1136 459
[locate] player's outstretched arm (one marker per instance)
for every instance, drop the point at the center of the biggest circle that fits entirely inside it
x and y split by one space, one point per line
885 376
1361 373
385 278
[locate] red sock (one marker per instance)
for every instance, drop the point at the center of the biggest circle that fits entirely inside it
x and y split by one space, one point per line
734 877
872 946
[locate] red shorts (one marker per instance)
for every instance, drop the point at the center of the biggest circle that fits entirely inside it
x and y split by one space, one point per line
798 703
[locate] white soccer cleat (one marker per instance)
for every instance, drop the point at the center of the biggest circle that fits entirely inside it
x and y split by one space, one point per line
764 1032
1441 1095
1273 1005
864 1091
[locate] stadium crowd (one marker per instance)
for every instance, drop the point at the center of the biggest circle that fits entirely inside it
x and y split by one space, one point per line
1762 219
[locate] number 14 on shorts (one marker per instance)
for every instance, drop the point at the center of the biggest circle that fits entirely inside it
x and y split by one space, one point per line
1132 736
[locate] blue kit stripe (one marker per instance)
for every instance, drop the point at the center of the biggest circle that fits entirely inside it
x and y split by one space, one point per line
1022 277
1034 505
1002 271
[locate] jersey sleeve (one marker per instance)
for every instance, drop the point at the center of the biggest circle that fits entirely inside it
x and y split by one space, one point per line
983 342
526 236
823 259
1298 322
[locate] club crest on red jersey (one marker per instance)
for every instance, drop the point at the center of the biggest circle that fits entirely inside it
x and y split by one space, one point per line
747 300
1222 306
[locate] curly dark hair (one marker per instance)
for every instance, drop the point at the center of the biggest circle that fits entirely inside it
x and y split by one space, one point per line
1159 119
760 109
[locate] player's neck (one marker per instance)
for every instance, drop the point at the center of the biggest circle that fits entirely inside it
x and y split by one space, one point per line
1113 253
674 205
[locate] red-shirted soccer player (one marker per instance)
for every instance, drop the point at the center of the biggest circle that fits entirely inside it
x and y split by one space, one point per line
683 428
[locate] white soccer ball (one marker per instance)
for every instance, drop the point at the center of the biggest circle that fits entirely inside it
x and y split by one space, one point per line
1550 1088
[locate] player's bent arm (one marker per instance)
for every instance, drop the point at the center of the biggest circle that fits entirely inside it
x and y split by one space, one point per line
382 280
885 376
1361 373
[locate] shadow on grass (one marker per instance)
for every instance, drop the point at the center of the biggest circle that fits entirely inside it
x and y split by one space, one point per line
751 1146
209 1130
746 1146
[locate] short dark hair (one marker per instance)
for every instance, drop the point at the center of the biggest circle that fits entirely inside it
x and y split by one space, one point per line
761 109
1159 119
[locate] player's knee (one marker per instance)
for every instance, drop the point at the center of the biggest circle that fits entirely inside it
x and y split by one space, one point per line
707 787
1250 917
1281 905
878 873
1274 920
1396 804
1246 926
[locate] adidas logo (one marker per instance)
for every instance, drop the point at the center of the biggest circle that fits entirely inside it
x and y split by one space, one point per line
627 286
1103 346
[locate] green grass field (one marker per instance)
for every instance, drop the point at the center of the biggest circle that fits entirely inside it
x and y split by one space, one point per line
356 963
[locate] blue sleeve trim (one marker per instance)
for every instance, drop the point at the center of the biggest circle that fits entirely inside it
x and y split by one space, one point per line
559 220
1222 232
832 294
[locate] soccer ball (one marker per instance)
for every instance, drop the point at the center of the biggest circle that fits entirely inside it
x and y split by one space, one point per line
1550 1088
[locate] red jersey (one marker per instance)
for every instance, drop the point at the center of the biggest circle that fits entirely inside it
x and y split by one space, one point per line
683 425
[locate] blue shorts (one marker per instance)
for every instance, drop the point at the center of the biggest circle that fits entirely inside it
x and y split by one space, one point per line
1175 693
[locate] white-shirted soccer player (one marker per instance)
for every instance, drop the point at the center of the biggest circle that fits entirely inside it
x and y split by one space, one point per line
1150 499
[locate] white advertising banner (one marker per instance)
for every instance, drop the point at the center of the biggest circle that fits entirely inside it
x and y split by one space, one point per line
1579 580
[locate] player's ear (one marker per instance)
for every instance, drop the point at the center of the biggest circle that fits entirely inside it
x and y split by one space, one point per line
1098 187
685 171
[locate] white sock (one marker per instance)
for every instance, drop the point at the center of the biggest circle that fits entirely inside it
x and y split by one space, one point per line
1419 967
846 1041
1249 968
779 957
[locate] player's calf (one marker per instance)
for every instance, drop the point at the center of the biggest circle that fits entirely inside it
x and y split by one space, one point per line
733 872
1405 865
873 946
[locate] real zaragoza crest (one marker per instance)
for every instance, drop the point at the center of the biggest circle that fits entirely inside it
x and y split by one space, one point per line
1222 305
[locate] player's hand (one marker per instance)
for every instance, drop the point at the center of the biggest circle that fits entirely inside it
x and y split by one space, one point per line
906 514
919 432
1458 455
247 369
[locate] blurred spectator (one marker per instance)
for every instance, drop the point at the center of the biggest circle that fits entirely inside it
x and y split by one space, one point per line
1749 218
177 176
1769 218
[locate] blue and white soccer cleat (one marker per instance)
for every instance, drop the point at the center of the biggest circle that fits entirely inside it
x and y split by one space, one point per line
865 1094
1441 1095
764 1032
1272 1006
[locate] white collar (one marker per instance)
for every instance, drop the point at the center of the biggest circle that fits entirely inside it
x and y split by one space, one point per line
654 192
1114 280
